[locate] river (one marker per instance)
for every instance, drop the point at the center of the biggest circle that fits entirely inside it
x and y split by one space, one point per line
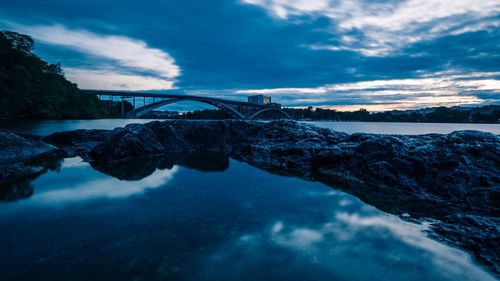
209 217
46 127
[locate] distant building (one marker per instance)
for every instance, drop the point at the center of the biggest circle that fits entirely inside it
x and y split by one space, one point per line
259 99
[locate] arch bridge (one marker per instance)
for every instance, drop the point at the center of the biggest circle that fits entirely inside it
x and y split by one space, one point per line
238 109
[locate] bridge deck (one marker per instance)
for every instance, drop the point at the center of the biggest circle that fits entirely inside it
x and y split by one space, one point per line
173 96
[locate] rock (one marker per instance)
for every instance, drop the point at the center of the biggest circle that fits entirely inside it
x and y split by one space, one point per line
17 171
478 234
284 146
459 170
436 168
16 150
78 142
156 138
133 141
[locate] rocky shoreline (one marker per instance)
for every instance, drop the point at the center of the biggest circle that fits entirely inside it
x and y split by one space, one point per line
452 180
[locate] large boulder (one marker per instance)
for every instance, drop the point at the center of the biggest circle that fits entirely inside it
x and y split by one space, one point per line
16 150
77 142
133 141
156 138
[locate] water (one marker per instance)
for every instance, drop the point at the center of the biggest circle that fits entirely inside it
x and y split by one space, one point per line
405 128
46 127
208 217
217 220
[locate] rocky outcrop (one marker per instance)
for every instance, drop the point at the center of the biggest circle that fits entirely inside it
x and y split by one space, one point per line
78 142
461 169
15 148
16 151
156 138
453 179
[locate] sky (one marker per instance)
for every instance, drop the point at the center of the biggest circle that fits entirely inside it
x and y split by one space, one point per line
341 54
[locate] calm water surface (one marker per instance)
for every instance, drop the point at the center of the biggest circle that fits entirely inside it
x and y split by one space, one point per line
208 218
233 223
46 127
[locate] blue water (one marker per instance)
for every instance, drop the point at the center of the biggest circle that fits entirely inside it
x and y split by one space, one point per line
235 222
45 127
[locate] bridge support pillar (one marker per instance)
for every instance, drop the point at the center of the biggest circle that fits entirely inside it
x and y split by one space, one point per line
123 109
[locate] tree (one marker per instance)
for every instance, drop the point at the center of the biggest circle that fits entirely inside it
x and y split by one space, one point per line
33 88
20 42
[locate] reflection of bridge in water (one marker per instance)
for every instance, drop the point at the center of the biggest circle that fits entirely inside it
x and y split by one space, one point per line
238 109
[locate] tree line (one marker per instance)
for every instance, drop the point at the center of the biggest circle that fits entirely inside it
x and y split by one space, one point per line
484 114
33 88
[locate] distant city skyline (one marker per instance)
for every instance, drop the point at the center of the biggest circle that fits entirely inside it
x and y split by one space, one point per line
346 55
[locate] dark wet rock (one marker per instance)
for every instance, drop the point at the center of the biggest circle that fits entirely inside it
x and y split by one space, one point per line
135 140
461 169
285 147
16 151
156 138
14 172
15 179
78 142
14 148
478 234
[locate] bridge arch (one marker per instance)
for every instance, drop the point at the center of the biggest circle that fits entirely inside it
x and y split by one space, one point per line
270 109
149 107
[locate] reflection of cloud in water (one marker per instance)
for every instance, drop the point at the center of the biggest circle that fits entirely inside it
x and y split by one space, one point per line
355 245
452 261
74 162
299 237
103 188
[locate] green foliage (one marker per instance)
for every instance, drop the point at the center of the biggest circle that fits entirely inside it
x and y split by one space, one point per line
32 88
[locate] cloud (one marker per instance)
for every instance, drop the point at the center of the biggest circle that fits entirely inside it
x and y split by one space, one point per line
430 89
110 79
379 28
301 50
130 64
